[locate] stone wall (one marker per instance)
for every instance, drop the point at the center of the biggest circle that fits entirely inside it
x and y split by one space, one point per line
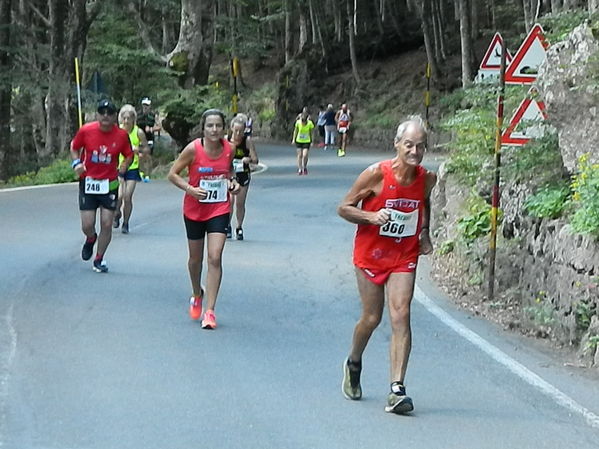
545 270
570 89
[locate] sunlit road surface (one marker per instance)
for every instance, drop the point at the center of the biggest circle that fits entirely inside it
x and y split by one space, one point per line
112 361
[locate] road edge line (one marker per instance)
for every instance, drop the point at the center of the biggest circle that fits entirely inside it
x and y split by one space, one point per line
501 357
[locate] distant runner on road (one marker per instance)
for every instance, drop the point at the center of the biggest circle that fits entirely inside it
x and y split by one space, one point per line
245 154
343 118
393 230
206 208
303 136
139 145
95 151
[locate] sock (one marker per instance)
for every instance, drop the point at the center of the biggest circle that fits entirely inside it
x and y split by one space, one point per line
398 388
99 257
91 239
354 365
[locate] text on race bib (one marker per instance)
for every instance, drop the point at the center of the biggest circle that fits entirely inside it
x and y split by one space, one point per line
216 190
400 224
238 165
96 186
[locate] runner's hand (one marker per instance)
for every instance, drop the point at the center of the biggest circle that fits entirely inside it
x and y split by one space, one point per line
79 169
234 186
197 192
380 217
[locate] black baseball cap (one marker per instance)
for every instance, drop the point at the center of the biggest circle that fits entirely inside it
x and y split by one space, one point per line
106 105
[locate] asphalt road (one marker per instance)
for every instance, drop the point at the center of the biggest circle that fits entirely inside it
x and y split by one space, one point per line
112 360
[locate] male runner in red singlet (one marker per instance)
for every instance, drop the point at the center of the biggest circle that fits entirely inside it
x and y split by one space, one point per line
95 151
393 221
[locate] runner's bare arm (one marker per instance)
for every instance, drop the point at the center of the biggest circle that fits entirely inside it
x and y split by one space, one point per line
76 162
184 161
127 161
368 183
426 246
144 148
253 159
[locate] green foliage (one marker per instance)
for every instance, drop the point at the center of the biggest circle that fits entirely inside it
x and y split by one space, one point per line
129 70
477 223
583 313
446 247
473 130
59 171
541 312
540 160
558 26
592 343
262 102
548 202
585 196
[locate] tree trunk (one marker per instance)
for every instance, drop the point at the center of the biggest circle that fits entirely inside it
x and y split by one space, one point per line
427 31
313 22
465 42
193 53
5 89
474 27
58 85
556 6
352 46
303 29
288 32
338 23
593 6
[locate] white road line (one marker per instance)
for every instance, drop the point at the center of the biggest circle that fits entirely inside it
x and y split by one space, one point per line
501 357
8 349
16 189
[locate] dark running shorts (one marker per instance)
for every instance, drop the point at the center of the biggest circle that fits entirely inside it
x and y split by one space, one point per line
132 175
243 179
92 202
196 230
302 146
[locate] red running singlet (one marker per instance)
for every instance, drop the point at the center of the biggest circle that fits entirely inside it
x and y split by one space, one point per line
394 246
212 175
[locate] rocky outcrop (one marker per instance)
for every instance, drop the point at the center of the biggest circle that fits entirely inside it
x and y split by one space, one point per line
568 82
545 270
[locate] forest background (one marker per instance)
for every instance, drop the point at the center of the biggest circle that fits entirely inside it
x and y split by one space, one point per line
294 53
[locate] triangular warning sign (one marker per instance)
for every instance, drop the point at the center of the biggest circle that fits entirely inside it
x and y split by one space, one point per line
492 58
529 110
532 53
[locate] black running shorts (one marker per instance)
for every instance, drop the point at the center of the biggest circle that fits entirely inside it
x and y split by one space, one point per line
196 230
89 201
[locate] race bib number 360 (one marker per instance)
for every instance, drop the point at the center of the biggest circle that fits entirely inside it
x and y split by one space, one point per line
400 224
216 190
96 186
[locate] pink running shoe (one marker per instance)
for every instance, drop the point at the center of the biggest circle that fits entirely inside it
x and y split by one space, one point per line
195 306
209 321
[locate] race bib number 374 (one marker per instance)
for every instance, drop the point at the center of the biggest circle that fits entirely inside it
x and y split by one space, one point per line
216 190
400 224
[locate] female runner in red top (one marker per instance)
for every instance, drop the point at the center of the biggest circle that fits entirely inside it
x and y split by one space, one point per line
206 208
390 204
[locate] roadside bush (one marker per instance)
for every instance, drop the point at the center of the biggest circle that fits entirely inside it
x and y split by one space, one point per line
585 196
478 221
59 171
548 202
539 161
